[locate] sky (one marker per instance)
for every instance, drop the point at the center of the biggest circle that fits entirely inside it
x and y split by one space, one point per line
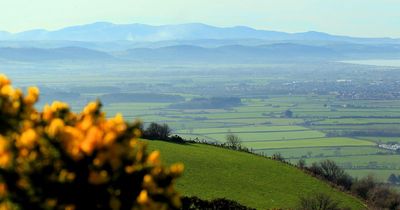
363 18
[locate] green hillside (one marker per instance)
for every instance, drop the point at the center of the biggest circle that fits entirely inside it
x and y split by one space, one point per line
212 172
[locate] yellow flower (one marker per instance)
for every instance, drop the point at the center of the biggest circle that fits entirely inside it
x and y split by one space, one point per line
5 159
33 95
177 169
91 108
70 207
109 138
4 80
58 105
3 144
154 157
148 181
98 178
28 138
143 197
51 202
86 123
47 112
93 136
5 154
55 127
3 189
7 90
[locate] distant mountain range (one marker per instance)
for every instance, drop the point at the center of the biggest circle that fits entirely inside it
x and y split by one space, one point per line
188 43
109 32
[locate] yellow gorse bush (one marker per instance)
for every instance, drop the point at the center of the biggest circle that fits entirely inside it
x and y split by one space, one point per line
58 159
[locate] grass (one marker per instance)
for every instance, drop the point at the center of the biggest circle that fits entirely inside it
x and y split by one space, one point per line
379 174
212 172
301 143
246 129
386 161
270 136
326 152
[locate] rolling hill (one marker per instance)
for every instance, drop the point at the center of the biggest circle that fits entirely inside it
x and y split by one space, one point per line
212 172
65 53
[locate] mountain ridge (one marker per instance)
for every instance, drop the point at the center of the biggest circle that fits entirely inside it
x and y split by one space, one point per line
106 32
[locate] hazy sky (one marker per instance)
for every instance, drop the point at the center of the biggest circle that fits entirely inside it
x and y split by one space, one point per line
367 18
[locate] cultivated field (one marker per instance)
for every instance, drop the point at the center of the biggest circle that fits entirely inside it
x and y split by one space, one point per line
322 125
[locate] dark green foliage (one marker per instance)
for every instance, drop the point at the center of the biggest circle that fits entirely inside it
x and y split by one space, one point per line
319 201
301 164
176 139
233 141
384 198
278 156
157 131
195 203
330 171
363 186
393 179
288 113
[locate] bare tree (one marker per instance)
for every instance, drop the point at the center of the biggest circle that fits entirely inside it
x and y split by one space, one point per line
233 141
319 201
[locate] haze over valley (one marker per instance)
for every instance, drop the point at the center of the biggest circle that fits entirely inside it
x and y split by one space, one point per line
291 104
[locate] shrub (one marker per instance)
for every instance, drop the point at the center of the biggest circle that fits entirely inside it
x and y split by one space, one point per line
384 198
233 141
157 131
328 170
363 186
301 164
278 156
57 159
319 201
195 203
177 139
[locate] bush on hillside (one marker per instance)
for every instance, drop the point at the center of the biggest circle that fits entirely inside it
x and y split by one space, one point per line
157 131
195 203
233 141
57 159
363 186
319 201
330 171
384 198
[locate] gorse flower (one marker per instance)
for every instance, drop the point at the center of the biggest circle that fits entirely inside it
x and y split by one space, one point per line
58 159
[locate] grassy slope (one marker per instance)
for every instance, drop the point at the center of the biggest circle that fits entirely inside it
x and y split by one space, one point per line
212 172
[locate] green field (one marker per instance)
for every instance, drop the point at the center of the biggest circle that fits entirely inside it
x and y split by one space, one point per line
261 127
323 125
212 172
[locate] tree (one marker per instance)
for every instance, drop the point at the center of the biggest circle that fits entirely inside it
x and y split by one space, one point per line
319 201
301 163
288 113
363 186
278 156
330 171
157 131
393 179
233 141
